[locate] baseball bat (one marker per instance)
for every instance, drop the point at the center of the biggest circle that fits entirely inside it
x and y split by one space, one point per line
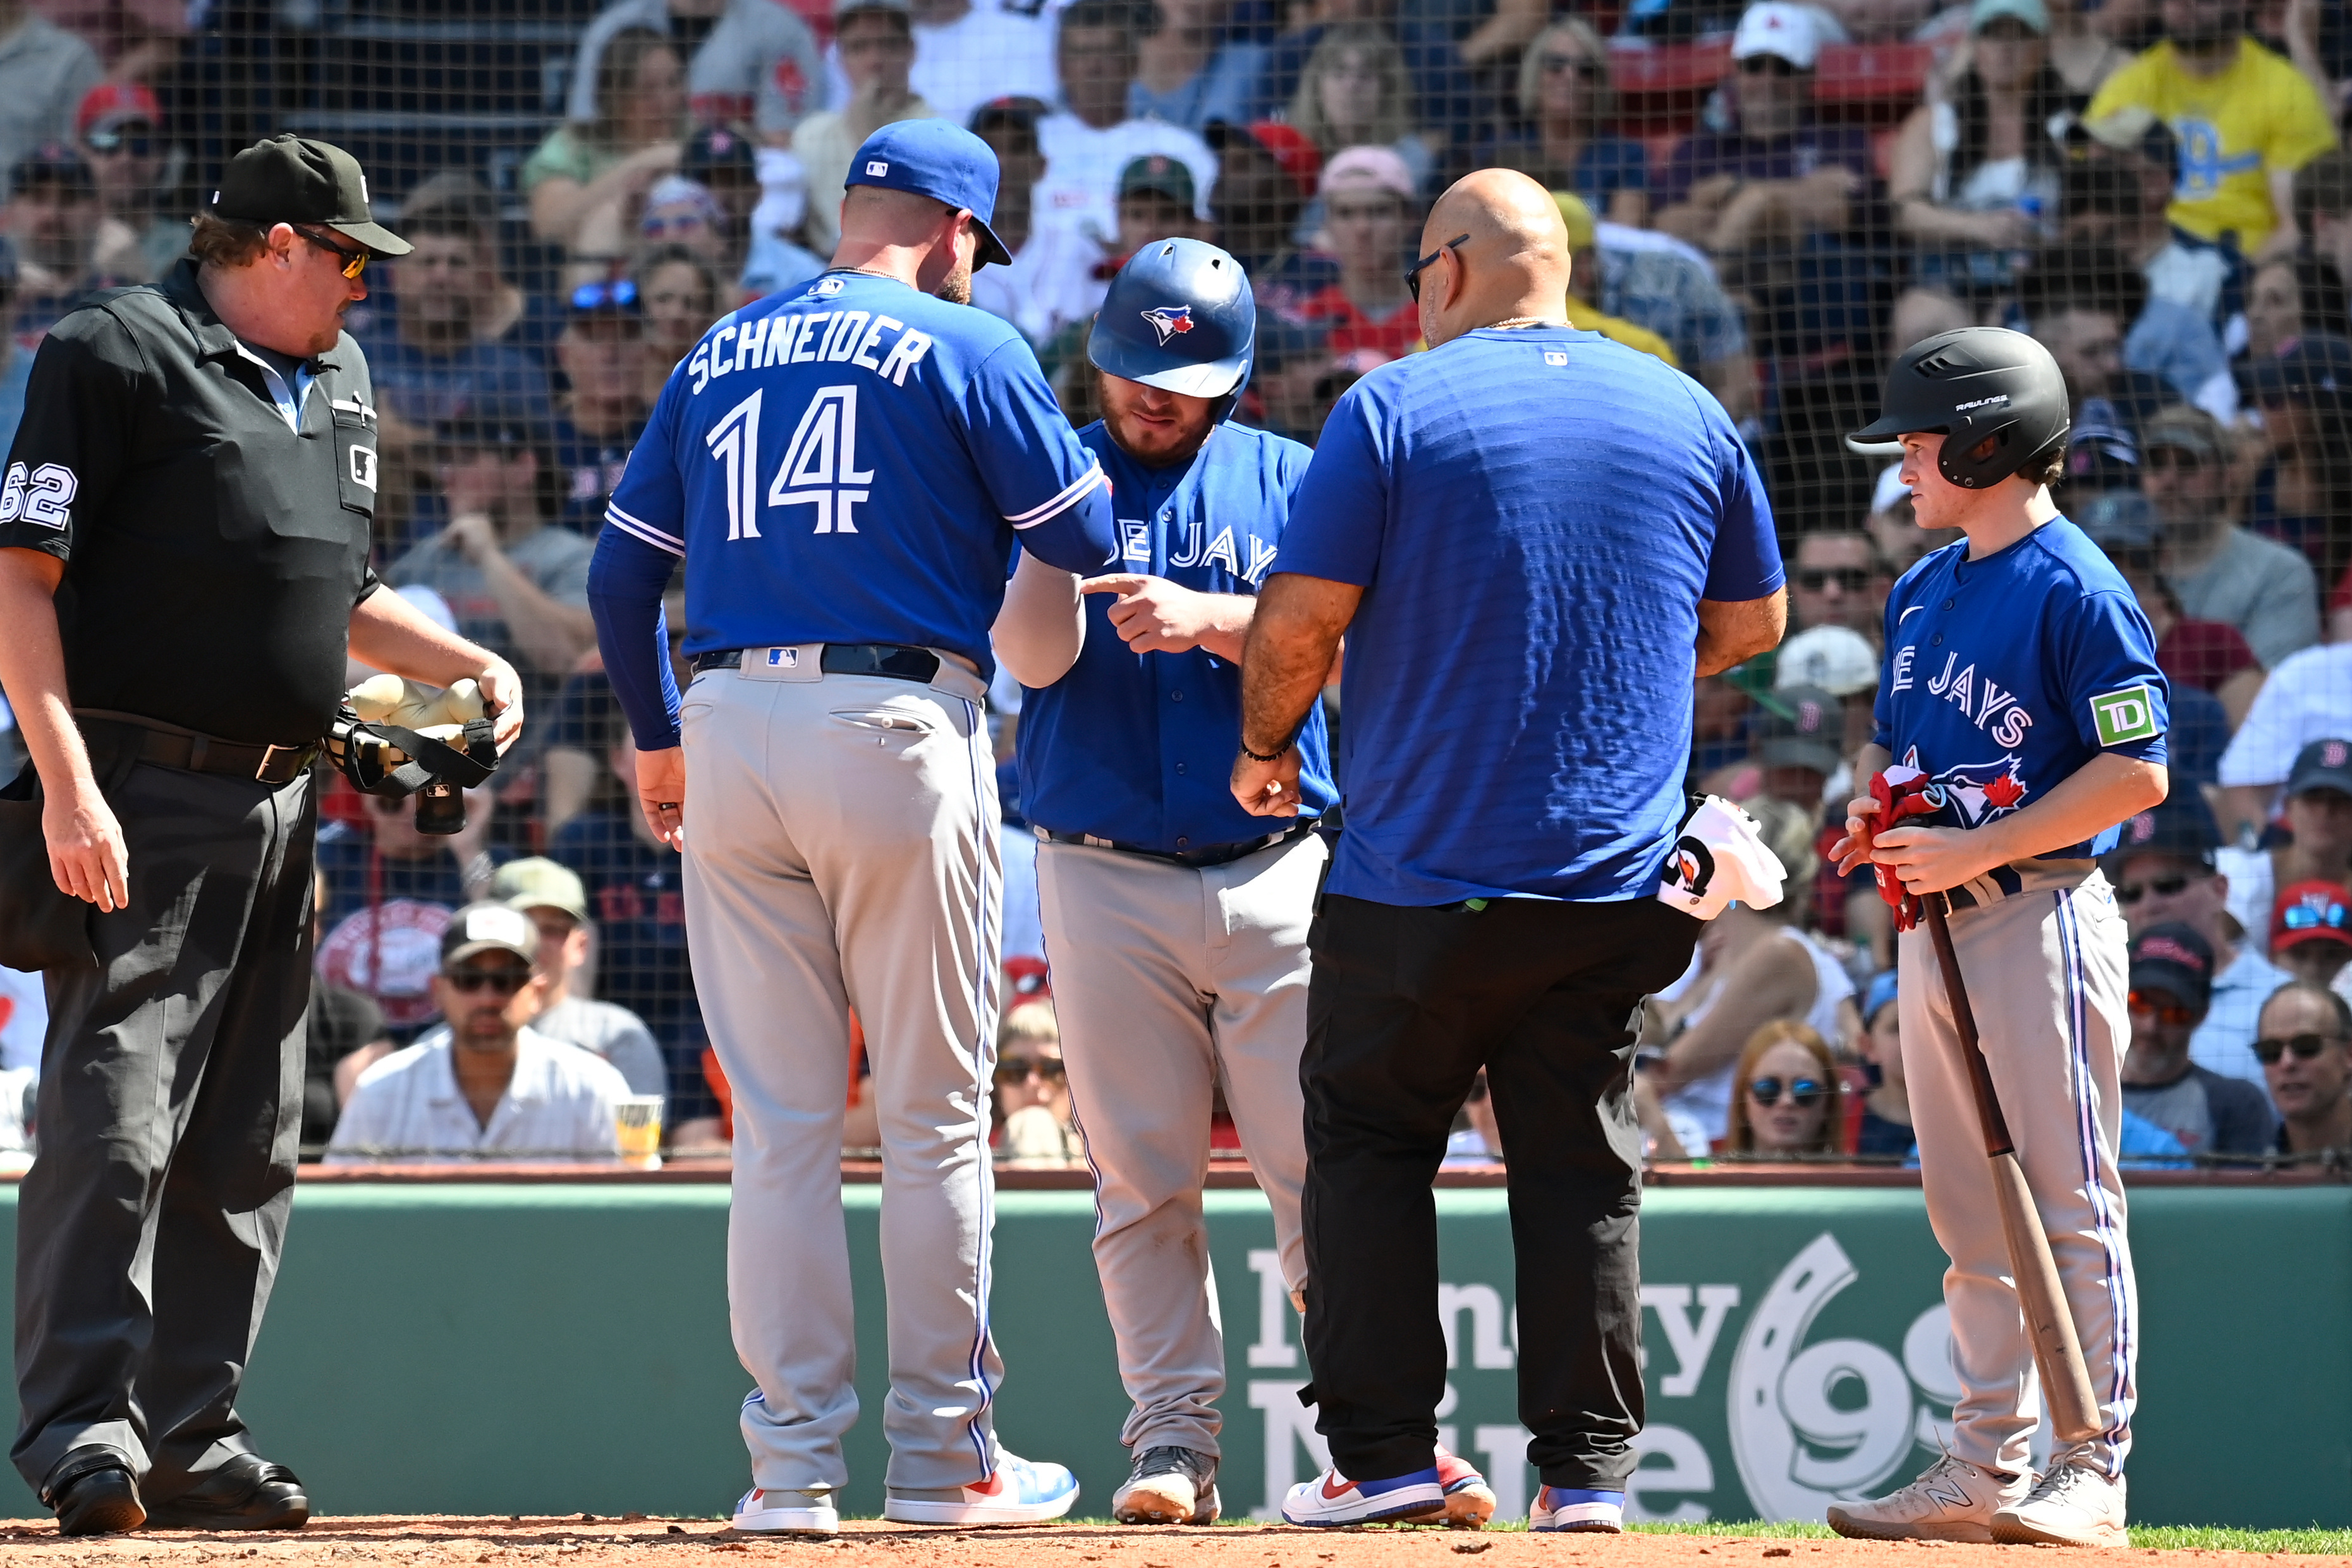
2057 1348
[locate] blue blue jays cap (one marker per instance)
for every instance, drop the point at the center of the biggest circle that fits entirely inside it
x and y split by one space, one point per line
1179 317
941 160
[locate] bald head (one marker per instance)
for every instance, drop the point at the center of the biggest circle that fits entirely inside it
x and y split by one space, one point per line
1513 265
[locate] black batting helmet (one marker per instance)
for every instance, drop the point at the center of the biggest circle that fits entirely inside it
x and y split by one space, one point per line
1995 396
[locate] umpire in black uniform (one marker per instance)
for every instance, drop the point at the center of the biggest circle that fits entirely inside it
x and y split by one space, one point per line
184 561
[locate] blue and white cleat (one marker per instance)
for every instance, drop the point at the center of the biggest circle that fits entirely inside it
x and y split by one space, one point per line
1332 1499
1022 1491
1574 1507
788 1512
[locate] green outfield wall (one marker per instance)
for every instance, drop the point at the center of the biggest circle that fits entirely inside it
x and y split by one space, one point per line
489 1349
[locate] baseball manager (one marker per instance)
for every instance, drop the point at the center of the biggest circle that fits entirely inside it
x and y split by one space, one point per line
1533 537
184 548
844 468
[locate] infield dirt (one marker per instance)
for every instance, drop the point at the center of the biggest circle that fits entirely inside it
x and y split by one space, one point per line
638 1543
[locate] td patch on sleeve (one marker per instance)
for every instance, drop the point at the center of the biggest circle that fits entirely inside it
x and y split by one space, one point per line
2125 714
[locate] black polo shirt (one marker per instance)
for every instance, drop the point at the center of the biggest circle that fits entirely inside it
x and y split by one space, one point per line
213 553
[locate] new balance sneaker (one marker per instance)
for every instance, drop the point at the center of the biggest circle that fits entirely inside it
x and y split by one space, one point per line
1168 1486
2072 1505
1332 1499
1576 1508
1469 1500
1951 1500
788 1512
1021 1491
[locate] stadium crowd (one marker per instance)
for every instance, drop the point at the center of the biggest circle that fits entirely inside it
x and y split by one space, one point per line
1775 199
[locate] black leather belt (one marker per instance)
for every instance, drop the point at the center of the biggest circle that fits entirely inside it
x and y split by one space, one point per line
168 745
1199 860
895 660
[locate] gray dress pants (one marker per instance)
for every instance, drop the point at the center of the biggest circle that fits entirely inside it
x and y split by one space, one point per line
171 1101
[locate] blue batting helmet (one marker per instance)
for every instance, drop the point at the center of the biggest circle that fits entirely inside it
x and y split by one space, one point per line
1179 317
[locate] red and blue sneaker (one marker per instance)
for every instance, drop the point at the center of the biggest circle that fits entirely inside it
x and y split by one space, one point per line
1575 1508
1021 1491
1332 1499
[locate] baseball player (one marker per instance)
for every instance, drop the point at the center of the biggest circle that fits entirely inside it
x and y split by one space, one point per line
2021 678
844 468
1176 922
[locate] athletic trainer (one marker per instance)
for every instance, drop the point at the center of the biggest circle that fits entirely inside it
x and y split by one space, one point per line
844 469
2022 678
184 565
1176 921
1533 537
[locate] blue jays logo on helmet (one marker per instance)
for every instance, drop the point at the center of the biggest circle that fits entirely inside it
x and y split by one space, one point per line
1170 320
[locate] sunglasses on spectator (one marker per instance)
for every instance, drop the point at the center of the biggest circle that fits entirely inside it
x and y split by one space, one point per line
1806 1092
139 144
617 295
354 261
2304 1046
506 982
2169 1012
2303 917
1759 65
1020 1069
1853 578
1590 70
1413 274
2130 893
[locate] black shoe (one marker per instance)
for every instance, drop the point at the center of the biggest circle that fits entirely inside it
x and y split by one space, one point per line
246 1493
1168 1486
93 1492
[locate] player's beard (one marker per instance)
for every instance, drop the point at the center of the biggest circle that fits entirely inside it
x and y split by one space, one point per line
956 287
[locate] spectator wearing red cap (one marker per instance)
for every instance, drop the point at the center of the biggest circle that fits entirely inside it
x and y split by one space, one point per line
1370 211
1096 137
45 73
2311 930
1266 173
119 129
2317 815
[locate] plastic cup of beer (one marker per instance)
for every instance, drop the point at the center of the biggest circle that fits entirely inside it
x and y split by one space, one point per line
638 1118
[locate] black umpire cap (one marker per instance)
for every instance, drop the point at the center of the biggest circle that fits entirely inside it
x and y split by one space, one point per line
291 178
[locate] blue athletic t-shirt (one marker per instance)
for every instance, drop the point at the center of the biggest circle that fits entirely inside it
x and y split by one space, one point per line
851 462
2005 676
1533 517
1138 748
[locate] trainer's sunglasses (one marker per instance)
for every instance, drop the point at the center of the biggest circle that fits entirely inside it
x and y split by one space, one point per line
354 261
1020 1069
1805 1092
2130 893
1413 274
1852 578
506 982
2304 1046
2172 1014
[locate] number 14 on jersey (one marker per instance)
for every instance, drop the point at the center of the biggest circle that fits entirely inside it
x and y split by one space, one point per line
820 467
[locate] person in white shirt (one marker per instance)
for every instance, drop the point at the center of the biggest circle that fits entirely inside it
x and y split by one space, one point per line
1057 275
495 1088
1088 144
875 40
967 54
2307 697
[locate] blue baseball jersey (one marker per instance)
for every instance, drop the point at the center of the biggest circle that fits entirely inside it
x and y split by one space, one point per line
1533 517
2005 676
1138 748
850 461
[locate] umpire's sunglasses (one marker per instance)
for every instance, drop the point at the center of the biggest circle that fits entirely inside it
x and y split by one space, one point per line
1413 274
2304 1046
1805 1092
354 261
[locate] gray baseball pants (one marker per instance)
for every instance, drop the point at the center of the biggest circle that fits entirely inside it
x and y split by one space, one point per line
1168 981
842 853
2046 978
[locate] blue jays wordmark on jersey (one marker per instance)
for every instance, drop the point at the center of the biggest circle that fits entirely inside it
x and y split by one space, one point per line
850 463
2006 675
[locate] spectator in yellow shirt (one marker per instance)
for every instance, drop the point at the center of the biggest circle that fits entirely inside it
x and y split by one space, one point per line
2244 118
1584 283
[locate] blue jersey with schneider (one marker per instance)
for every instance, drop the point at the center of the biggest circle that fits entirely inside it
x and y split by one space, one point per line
851 462
2005 676
1533 517
1138 748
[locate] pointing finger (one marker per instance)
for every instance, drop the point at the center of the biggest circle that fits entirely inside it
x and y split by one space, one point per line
1117 582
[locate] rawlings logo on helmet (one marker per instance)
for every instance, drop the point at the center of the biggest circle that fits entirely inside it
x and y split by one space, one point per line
1168 320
